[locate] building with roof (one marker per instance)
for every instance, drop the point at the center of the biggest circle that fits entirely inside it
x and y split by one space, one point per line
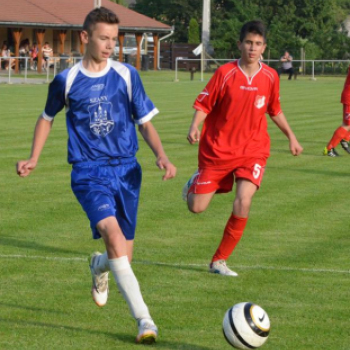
60 22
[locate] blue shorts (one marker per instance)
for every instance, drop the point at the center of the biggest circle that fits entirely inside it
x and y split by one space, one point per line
109 188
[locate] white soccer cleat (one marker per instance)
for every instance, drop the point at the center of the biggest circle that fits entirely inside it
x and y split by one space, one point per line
99 289
221 268
188 185
148 332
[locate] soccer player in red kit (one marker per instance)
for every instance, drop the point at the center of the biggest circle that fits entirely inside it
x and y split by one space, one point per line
342 133
234 144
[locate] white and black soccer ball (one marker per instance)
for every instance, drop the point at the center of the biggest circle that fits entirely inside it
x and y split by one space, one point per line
246 326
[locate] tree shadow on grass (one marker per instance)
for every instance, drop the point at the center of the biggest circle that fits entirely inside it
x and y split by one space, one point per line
328 172
190 267
29 308
34 245
121 337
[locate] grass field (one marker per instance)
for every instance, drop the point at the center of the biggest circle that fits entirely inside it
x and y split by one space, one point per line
293 259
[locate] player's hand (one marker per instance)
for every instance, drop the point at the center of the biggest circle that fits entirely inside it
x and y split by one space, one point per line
25 167
295 148
193 135
170 169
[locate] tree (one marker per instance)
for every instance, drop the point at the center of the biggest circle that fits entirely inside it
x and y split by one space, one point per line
317 22
177 13
226 24
120 2
288 22
281 36
193 32
291 24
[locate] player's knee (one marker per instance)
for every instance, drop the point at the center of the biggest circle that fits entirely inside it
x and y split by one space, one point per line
198 203
242 205
195 208
103 227
108 228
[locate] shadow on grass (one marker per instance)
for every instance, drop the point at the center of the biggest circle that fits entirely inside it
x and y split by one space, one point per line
125 338
28 308
18 243
329 172
189 267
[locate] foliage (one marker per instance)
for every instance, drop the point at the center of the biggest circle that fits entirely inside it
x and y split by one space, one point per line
290 23
120 2
177 13
193 32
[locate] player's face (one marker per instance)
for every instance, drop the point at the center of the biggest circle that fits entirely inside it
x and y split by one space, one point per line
100 44
252 47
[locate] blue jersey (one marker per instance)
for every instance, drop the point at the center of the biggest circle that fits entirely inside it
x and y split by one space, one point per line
101 110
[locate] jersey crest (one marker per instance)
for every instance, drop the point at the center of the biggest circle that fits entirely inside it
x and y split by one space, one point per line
101 122
259 101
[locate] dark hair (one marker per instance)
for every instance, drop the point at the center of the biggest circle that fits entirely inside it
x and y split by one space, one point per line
256 27
99 15
24 42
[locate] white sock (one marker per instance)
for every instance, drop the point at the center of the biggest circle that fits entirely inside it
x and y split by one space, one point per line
102 263
129 287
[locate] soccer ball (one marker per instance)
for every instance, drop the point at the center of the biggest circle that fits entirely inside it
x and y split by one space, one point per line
246 326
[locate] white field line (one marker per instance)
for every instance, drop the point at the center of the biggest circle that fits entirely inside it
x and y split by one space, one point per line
141 262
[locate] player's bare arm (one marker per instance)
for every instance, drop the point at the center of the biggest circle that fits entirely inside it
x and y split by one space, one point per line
42 131
281 122
194 132
150 135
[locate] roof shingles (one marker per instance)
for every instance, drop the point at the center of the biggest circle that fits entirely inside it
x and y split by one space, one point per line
69 13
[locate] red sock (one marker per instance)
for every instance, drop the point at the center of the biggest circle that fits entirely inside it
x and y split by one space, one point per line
347 137
232 235
338 135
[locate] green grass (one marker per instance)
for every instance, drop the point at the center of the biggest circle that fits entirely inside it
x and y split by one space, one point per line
293 259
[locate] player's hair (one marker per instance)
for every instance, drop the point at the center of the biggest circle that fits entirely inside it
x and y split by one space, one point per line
256 27
99 15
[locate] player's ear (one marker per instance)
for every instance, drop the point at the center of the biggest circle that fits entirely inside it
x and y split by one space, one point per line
239 44
84 36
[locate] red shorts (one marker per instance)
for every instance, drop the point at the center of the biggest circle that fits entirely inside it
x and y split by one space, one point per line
222 180
346 114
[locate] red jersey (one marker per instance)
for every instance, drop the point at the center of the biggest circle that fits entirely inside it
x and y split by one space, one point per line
236 125
345 96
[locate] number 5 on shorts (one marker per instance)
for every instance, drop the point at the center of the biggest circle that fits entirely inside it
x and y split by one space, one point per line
257 171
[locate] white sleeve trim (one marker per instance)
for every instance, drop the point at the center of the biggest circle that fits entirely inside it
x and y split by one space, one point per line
147 117
46 117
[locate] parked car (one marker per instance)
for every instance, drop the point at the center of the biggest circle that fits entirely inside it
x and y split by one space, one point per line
130 45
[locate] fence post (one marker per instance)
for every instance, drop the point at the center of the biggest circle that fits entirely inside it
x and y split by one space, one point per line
55 68
26 70
313 70
176 77
9 67
48 71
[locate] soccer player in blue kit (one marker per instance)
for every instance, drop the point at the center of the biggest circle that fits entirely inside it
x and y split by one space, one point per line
103 100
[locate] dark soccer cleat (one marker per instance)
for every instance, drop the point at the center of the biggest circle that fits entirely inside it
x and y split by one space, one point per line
345 145
335 152
330 153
